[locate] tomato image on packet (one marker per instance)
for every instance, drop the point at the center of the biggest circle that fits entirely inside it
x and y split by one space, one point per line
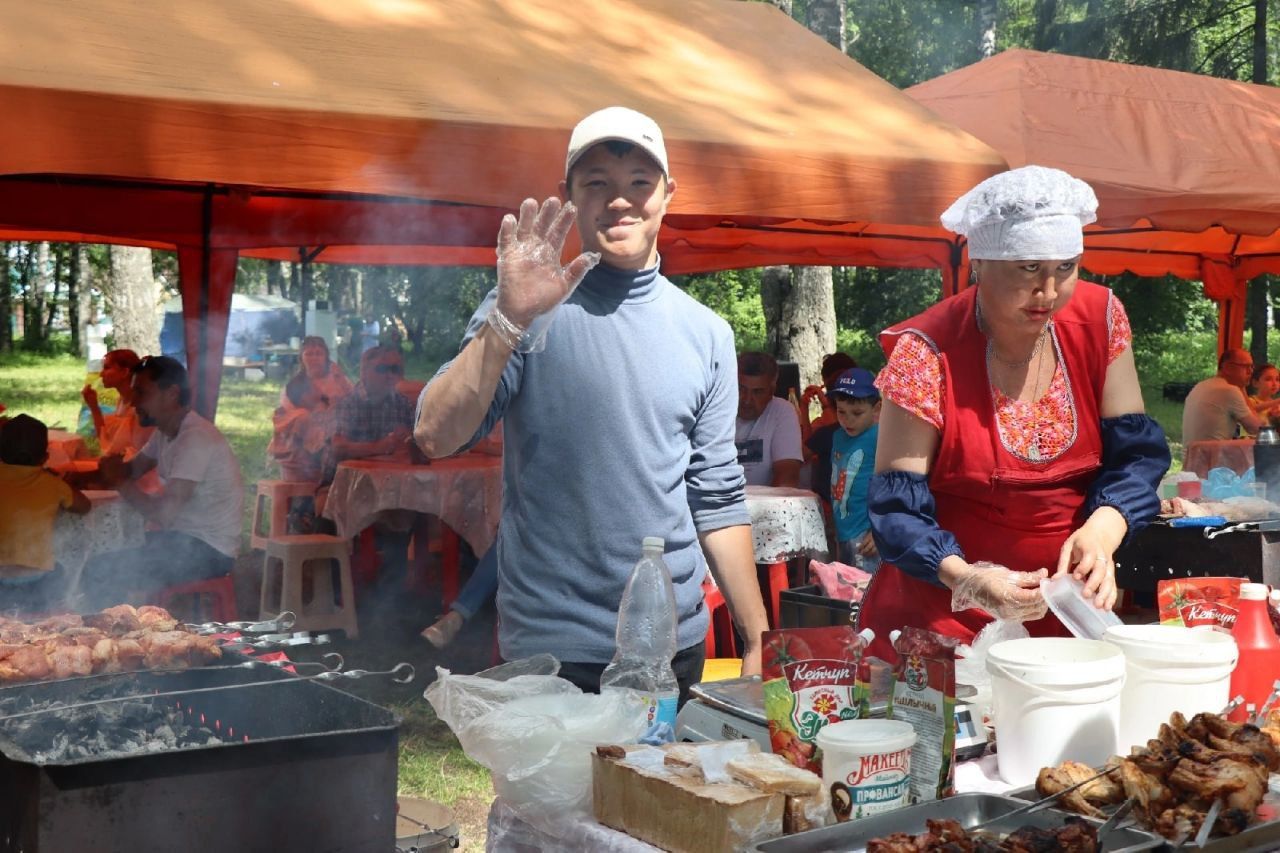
812 678
1199 601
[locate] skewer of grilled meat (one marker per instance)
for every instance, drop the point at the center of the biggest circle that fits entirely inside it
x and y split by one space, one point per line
948 836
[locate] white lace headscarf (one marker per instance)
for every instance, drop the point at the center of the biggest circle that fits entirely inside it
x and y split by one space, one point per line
1028 214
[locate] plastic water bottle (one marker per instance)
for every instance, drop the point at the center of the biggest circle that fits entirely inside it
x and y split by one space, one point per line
646 637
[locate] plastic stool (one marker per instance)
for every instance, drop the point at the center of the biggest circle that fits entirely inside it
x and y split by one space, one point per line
289 559
211 600
279 492
713 599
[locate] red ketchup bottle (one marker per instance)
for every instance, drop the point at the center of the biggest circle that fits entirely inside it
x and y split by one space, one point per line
1259 665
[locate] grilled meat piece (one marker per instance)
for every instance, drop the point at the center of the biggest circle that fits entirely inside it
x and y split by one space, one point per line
1052 780
1239 784
1151 796
1181 821
1232 737
1075 836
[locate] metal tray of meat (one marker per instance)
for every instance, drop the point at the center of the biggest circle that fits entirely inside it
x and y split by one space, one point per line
1261 837
967 809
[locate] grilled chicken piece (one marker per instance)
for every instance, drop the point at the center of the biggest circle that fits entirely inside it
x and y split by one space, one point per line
1052 780
1181 821
120 619
156 618
1151 796
71 660
1239 784
1231 737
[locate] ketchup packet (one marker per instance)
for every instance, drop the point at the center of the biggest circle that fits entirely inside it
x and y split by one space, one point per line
924 695
812 677
1199 601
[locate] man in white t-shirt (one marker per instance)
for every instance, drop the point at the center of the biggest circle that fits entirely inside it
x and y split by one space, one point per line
1217 407
768 428
195 517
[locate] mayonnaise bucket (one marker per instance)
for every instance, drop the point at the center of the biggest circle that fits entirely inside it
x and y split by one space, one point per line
1170 668
1052 700
866 765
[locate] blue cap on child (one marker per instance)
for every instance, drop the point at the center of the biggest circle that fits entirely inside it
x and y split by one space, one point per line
856 382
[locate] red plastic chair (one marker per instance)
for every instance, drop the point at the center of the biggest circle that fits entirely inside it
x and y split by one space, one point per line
213 599
449 546
777 582
713 599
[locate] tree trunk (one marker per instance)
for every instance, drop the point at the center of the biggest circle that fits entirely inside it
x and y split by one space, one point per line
38 295
59 263
1046 11
1259 296
799 312
133 298
78 296
827 19
988 11
1260 41
275 278
26 284
6 301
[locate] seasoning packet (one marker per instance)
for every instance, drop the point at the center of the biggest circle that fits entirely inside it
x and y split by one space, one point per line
1199 601
924 695
812 677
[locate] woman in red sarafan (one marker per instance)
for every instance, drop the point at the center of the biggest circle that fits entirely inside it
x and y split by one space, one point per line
1013 441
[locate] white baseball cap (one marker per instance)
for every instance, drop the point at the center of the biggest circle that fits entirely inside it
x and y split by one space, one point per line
617 124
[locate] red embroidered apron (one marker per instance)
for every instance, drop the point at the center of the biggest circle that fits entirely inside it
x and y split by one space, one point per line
1000 507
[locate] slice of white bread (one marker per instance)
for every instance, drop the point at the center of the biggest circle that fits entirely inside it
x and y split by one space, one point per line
773 774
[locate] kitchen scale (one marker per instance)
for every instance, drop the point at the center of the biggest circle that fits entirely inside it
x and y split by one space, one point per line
734 710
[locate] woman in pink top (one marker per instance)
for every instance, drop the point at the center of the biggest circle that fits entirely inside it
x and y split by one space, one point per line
304 423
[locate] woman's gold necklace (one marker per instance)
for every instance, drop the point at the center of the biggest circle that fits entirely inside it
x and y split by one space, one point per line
1037 354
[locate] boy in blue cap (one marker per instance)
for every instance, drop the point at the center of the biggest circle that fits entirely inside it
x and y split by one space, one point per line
853 461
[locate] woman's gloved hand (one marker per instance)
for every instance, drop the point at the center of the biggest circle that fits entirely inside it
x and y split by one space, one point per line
1004 593
531 281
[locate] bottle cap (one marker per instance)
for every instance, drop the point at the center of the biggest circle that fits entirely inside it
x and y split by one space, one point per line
653 542
1253 591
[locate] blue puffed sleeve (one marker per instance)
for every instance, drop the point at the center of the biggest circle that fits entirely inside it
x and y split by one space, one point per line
904 527
1135 456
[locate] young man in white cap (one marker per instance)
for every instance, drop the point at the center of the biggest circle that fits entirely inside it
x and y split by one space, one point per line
618 417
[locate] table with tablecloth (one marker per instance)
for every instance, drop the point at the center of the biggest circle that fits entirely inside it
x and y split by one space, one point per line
111 525
785 523
1203 456
464 492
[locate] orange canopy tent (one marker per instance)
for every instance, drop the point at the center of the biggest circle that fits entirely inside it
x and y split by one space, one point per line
402 130
1186 167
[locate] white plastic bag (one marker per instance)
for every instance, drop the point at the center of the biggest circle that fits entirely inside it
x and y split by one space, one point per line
535 732
971 662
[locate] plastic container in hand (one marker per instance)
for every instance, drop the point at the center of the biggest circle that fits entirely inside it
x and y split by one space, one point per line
1065 597
646 637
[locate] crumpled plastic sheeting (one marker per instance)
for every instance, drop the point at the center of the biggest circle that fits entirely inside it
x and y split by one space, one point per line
508 832
971 660
1223 483
535 733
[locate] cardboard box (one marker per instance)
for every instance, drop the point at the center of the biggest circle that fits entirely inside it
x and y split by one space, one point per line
676 809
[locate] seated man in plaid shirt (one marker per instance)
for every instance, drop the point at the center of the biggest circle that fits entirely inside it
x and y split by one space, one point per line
375 420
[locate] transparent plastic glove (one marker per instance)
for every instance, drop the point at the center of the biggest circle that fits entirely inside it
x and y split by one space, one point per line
1002 592
531 281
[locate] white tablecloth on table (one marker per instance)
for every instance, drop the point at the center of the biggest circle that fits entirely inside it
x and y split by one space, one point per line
465 492
112 525
1203 456
785 523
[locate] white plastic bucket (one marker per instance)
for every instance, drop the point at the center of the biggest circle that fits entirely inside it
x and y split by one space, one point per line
1052 700
1170 668
866 765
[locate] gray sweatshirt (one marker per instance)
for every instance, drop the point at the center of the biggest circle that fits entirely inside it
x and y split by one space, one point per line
621 428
